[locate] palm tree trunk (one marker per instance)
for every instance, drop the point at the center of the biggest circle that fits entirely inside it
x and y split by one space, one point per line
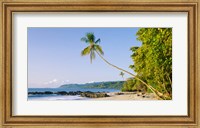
157 93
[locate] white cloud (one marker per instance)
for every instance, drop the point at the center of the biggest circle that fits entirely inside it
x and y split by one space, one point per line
55 83
91 82
51 81
64 82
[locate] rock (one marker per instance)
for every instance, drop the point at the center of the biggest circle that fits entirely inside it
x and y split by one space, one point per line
135 90
62 93
72 93
119 93
94 95
48 92
79 92
143 93
36 93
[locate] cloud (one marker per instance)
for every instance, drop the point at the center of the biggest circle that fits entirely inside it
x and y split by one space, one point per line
64 81
51 81
91 82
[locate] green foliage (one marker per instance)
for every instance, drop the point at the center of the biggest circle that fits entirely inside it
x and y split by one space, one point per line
106 85
99 85
153 60
86 51
129 85
132 84
93 46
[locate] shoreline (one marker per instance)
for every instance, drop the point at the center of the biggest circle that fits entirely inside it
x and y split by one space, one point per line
128 96
136 95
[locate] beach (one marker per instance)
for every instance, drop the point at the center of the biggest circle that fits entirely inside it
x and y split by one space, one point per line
87 94
110 97
128 96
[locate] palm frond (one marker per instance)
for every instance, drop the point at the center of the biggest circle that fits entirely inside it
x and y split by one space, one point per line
90 36
133 49
84 39
132 66
99 49
98 41
86 51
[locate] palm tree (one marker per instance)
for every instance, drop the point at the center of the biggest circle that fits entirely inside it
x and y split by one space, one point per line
122 74
95 48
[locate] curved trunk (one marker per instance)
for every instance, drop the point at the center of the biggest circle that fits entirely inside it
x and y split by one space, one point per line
158 94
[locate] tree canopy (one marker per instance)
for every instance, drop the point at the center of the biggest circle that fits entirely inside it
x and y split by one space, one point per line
153 60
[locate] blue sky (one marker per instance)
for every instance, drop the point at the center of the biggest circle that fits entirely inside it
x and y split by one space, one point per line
54 55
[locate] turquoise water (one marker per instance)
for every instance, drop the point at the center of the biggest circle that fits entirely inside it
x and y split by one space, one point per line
53 97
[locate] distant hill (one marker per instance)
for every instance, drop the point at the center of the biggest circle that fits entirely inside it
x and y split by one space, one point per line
98 85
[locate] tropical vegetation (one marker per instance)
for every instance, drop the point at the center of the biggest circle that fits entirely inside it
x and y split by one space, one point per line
153 59
96 85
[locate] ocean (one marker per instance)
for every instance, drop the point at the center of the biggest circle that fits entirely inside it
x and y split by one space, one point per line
52 97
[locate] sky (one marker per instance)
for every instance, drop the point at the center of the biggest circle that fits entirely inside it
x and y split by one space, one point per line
54 55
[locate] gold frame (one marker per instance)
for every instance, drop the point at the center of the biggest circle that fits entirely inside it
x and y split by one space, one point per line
8 7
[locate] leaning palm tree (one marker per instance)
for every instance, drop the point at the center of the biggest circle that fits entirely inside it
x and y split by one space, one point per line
94 47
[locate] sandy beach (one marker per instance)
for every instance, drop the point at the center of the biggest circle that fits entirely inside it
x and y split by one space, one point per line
78 95
128 96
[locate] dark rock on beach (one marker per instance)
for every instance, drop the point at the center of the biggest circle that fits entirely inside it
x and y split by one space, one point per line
48 92
36 93
94 95
119 93
61 93
72 93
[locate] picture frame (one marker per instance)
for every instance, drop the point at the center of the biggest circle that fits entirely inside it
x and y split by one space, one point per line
8 8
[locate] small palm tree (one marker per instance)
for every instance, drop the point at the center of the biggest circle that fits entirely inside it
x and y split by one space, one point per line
95 48
122 74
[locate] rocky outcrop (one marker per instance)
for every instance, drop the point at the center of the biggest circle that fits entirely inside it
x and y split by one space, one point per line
72 93
94 95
